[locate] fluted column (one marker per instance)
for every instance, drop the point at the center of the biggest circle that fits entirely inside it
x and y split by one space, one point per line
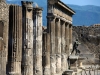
38 41
63 54
58 46
67 42
15 40
46 59
27 57
70 38
51 29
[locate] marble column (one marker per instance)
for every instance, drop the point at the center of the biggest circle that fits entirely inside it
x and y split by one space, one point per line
15 40
46 59
37 41
51 27
63 54
27 57
67 42
58 46
70 38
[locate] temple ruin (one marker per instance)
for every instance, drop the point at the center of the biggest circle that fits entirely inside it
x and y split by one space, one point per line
29 48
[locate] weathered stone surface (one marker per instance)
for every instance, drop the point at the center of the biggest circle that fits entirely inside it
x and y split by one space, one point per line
37 17
15 41
27 58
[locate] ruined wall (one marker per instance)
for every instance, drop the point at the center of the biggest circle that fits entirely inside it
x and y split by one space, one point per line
90 37
4 22
4 17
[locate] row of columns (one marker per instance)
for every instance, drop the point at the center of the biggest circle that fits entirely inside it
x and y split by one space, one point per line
15 40
60 39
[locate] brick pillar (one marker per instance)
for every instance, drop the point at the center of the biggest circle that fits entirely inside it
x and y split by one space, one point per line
15 40
63 58
46 58
58 46
37 41
51 30
67 42
70 38
27 56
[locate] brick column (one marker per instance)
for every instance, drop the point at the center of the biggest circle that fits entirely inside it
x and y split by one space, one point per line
46 58
70 38
15 40
67 42
58 46
51 27
63 54
27 57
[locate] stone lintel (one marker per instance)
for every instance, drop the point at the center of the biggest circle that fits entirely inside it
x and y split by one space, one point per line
70 22
63 19
66 7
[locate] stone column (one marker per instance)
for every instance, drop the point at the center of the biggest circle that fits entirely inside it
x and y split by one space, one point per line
15 40
67 42
37 41
51 29
58 46
46 59
70 38
27 57
63 54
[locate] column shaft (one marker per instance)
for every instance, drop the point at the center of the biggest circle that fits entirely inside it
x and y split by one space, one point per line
67 39
66 42
70 38
15 40
63 57
58 46
27 59
47 54
51 22
38 41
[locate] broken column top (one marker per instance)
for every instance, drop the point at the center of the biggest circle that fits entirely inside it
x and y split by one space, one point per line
27 3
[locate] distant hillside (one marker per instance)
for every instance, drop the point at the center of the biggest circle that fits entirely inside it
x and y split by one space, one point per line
85 15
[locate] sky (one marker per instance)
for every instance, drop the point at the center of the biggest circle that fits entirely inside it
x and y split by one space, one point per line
78 2
82 2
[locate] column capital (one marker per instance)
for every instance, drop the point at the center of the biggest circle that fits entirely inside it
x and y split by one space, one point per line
58 19
51 18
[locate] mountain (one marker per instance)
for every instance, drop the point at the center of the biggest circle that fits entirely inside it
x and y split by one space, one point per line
85 15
